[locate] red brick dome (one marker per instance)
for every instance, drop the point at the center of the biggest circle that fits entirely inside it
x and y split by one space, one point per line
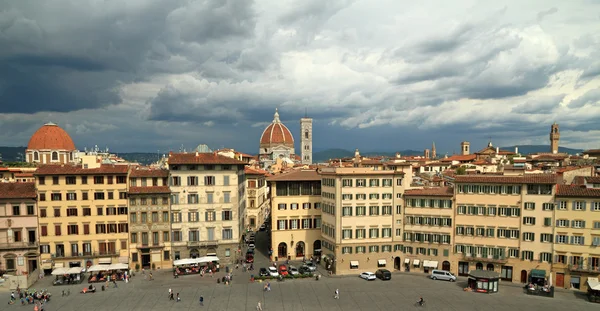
51 136
277 133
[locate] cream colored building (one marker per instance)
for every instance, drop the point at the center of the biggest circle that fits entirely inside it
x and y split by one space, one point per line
359 209
149 218
576 236
19 247
258 205
207 204
296 214
428 230
504 224
82 215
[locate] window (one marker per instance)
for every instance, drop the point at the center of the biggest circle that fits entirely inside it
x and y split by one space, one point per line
373 210
546 238
55 180
165 216
578 205
177 236
225 178
562 239
98 180
86 229
98 195
529 221
226 197
57 212
562 205
562 223
346 182
346 234
373 249
194 235
347 211
305 205
374 196
210 197
281 206
361 182
44 230
547 206
193 216
55 197
294 206
72 229
347 250
547 221
373 233
209 180
57 231
210 216
100 211
546 257
361 250
528 236
513 253
227 215
154 216
72 211
578 224
42 196
71 196
577 240
361 210
527 255
530 206
386 232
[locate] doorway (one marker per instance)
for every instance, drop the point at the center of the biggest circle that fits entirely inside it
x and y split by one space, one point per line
560 280
463 268
397 263
145 261
446 266
523 276
32 236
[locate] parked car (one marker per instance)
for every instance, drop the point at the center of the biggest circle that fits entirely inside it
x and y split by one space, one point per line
250 251
263 227
304 270
293 270
249 258
251 246
442 275
263 272
369 276
311 266
273 272
383 274
283 270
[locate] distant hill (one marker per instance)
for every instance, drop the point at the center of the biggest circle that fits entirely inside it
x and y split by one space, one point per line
325 155
12 154
528 149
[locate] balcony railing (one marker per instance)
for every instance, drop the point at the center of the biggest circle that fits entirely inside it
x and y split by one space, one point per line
19 245
211 243
85 254
584 268
481 258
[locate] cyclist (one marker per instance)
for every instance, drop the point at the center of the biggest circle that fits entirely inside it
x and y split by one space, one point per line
421 301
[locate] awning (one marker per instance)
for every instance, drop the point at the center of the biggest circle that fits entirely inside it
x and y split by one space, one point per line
187 261
426 263
59 271
406 260
211 254
59 265
416 262
353 263
75 270
98 268
118 266
593 283
207 259
540 274
124 259
105 261
381 262
432 264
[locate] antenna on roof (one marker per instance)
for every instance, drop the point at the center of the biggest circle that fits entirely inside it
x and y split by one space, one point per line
305 112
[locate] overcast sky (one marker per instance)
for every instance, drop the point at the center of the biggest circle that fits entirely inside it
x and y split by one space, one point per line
377 75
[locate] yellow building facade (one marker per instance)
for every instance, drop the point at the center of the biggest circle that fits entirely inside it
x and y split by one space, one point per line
149 218
428 230
295 214
82 215
504 224
576 236
258 205
358 209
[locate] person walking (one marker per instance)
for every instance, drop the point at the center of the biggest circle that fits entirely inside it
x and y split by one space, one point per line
337 294
201 300
178 299
170 293
259 307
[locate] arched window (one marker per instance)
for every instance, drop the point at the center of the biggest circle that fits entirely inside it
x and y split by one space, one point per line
54 156
36 156
306 134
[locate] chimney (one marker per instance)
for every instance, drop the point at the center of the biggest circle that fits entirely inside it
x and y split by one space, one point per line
517 150
196 153
497 150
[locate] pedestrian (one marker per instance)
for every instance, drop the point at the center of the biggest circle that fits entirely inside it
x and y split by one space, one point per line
151 277
126 277
201 300
178 299
115 283
337 294
171 296
170 293
259 306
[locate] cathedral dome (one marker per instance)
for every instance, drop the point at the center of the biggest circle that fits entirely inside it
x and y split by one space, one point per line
51 136
277 134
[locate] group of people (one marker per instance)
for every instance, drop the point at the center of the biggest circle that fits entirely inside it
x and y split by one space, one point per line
30 297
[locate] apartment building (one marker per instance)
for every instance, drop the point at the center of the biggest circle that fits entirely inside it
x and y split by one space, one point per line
207 201
257 198
19 253
428 230
149 214
504 224
82 215
358 211
576 236
296 214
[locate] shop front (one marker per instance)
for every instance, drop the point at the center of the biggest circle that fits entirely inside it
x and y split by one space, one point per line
483 281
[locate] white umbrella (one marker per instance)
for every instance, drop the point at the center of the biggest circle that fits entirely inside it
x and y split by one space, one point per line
59 271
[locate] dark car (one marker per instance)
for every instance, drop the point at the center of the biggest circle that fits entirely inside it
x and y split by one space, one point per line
249 258
383 274
263 272
250 251
304 270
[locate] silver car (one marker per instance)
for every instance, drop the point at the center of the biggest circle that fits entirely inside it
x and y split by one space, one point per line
311 266
442 275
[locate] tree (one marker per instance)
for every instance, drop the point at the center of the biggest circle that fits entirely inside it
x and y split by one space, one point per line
461 170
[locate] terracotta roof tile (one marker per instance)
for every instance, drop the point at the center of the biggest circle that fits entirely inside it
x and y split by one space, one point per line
392 163
148 172
591 151
24 174
149 190
20 190
468 157
201 158
592 180
254 171
50 136
277 133
579 180
296 175
501 179
66 169
577 191
431 192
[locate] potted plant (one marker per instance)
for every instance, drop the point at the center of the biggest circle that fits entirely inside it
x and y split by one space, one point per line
137 267
153 266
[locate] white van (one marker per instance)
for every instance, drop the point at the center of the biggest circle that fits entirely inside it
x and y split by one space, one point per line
442 275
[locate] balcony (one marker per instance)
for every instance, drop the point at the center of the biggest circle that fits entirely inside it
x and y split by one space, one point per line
84 255
19 245
482 259
212 243
154 245
585 268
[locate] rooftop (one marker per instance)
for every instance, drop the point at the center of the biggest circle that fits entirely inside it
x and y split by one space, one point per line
468 157
255 171
593 180
149 190
296 175
148 172
66 169
361 171
577 191
502 179
434 192
201 158
20 190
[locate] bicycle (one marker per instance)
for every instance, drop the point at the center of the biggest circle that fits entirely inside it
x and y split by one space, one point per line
419 303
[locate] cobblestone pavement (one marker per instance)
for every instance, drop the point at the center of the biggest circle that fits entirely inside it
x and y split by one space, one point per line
301 294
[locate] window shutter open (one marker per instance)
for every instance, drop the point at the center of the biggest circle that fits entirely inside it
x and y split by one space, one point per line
573 205
197 216
584 205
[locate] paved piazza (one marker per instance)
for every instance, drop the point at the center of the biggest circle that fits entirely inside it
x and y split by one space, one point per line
303 294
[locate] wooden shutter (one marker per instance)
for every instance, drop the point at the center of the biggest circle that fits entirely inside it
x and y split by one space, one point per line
44 230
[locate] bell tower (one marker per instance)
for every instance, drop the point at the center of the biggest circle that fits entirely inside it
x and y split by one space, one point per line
306 139
554 137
